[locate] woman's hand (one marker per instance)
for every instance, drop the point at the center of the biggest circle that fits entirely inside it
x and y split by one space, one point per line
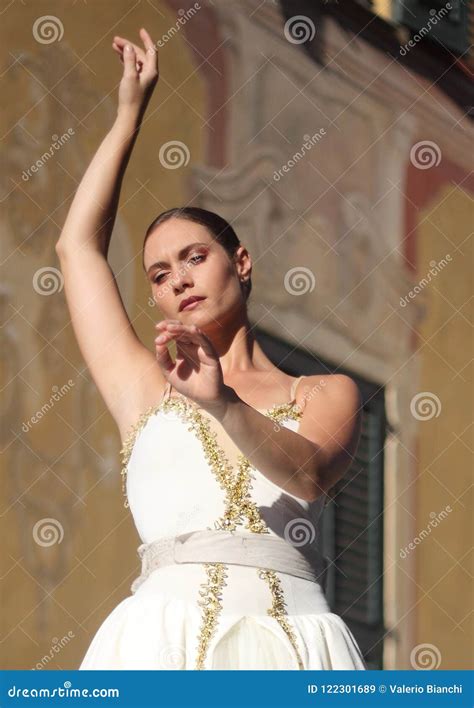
197 372
140 73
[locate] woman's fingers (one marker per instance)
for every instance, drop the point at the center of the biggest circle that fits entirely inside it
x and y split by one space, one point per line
188 339
150 49
129 61
146 59
184 345
151 52
121 43
192 334
175 328
161 326
163 357
117 49
120 52
165 336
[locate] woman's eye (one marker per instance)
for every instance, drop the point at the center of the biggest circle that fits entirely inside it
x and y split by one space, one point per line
196 256
158 278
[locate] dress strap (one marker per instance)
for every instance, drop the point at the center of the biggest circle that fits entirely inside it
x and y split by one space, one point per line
293 387
166 392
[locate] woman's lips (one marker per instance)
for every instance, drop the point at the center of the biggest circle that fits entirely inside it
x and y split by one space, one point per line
192 304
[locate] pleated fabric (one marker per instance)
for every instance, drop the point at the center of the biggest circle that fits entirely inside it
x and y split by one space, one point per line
158 627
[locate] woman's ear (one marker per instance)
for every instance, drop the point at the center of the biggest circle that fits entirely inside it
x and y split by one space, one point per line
243 263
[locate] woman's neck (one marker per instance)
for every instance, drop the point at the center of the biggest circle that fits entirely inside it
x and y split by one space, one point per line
239 352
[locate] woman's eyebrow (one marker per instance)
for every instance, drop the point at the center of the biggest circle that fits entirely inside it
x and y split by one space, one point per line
181 254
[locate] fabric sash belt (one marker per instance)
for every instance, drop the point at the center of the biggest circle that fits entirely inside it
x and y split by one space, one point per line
251 549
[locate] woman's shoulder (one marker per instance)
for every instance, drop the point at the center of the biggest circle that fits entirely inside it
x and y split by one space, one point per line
334 380
335 386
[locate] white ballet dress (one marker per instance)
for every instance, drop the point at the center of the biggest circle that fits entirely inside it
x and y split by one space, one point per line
243 596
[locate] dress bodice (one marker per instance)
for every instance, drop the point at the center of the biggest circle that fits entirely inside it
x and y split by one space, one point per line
228 602
182 472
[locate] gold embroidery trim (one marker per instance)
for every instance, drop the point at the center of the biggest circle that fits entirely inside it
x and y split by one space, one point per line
239 510
238 506
211 592
277 413
129 444
278 609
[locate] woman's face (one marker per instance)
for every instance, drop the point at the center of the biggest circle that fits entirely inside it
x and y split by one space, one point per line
183 260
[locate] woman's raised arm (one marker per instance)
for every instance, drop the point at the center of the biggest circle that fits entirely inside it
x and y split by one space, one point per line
124 370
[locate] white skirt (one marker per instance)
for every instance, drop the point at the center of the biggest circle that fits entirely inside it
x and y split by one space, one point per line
159 627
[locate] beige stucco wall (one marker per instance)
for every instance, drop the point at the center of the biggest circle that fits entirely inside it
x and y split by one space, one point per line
444 454
62 579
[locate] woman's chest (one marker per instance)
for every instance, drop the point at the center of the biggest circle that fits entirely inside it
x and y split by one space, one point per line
186 473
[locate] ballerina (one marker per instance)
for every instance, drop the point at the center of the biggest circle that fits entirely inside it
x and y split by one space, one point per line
227 461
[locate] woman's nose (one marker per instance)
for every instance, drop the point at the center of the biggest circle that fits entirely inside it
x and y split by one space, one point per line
181 277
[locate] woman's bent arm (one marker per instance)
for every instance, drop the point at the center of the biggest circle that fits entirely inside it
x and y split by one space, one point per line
124 370
91 217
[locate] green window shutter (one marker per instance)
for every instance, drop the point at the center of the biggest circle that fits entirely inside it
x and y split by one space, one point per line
352 533
433 19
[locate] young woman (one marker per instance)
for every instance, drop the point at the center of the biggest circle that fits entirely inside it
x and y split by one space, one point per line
227 460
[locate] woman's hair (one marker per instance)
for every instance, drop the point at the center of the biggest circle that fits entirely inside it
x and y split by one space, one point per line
219 228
